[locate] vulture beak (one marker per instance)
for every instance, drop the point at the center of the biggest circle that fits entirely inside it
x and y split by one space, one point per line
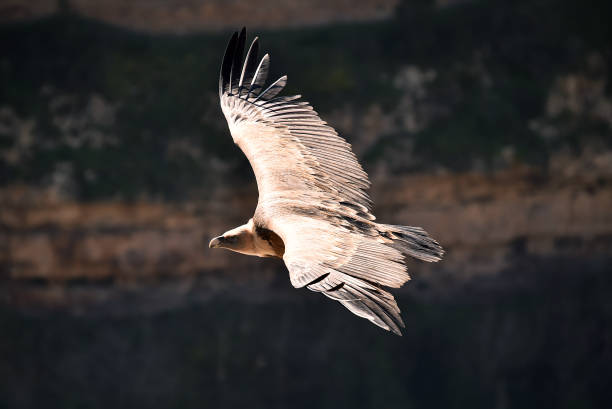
216 242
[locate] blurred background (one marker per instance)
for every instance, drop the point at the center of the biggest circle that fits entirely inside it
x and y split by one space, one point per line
489 123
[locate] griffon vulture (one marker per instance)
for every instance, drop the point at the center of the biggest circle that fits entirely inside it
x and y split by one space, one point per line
313 209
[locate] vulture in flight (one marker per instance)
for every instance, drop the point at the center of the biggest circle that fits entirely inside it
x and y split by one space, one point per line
313 211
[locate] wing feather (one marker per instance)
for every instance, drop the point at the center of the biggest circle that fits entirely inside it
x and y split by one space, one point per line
249 66
237 62
273 89
226 66
259 77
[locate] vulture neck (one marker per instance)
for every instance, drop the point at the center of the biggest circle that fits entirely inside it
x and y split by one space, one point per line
257 241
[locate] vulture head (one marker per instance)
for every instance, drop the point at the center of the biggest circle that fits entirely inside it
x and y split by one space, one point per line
239 239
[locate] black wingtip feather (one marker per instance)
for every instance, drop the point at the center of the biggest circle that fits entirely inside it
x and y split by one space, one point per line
226 66
250 65
244 75
237 61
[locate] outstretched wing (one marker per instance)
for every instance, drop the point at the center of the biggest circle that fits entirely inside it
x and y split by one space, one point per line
312 191
330 255
292 151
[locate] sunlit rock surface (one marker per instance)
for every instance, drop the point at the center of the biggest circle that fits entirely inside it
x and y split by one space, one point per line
488 223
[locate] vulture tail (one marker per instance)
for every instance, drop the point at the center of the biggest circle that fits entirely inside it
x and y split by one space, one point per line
412 241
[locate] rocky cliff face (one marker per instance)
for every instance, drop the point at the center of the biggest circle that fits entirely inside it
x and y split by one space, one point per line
487 123
117 166
488 224
129 295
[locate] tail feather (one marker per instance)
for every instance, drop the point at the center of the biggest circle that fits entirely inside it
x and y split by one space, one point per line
412 241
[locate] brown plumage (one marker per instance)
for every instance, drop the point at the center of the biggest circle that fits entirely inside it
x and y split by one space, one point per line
313 209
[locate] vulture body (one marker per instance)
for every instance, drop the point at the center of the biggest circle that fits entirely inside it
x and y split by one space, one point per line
313 210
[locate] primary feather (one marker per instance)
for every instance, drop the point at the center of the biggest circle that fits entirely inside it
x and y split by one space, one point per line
313 194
